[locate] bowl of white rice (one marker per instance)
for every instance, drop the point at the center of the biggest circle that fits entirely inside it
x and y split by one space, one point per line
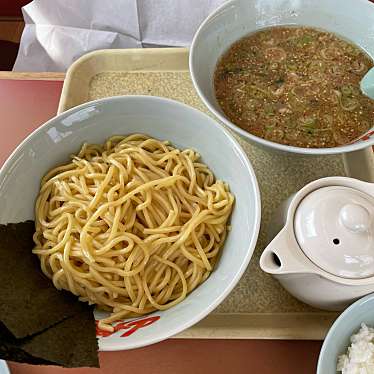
349 345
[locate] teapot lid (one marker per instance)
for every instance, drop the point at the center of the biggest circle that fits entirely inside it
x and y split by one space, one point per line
334 227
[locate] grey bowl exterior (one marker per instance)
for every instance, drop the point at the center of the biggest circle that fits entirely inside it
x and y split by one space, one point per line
338 338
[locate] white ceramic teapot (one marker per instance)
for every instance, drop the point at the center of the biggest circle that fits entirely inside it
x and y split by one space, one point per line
323 252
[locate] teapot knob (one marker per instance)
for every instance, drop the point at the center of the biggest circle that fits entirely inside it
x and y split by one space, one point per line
355 218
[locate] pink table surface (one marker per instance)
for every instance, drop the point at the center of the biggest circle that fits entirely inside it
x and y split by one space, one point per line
24 105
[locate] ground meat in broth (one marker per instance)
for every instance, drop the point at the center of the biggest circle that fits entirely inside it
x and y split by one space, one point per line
297 86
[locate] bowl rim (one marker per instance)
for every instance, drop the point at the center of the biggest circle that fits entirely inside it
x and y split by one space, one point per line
358 145
239 150
357 304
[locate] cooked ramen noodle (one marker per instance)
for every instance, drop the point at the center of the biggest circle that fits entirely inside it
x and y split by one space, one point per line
133 225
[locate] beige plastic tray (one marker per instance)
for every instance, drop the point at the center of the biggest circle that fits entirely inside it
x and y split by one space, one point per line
258 307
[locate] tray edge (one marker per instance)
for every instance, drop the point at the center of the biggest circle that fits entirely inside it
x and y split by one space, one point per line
80 73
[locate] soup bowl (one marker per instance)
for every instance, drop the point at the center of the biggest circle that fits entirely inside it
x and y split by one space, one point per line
185 127
351 19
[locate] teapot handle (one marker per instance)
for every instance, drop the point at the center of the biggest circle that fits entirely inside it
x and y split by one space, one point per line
283 255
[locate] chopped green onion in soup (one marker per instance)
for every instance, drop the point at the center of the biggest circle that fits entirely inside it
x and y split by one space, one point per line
298 86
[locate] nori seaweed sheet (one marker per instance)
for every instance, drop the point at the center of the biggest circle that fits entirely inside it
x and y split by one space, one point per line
39 324
10 349
70 343
29 302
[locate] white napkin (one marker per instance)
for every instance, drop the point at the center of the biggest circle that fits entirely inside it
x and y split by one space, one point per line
60 31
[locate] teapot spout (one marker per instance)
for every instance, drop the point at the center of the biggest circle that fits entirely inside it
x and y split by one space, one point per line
283 256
